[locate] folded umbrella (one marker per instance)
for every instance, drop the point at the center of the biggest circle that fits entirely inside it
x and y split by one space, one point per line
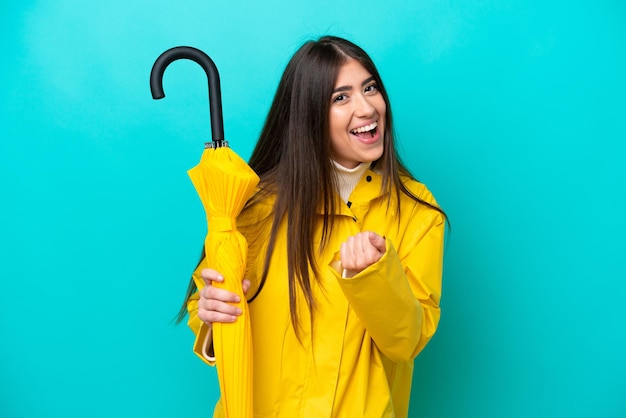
224 183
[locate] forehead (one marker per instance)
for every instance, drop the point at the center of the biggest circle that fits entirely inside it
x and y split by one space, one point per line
351 73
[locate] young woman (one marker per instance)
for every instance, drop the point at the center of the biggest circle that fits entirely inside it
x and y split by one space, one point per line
345 249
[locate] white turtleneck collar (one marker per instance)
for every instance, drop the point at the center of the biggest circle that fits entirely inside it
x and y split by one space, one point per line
347 178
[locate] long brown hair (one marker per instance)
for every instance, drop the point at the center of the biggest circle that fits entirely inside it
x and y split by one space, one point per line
293 159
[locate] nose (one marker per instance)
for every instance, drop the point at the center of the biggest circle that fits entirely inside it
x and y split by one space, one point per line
363 107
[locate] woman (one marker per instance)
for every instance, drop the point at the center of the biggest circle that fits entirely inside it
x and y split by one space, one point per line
345 249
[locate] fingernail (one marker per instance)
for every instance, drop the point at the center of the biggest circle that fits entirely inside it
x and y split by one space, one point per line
233 318
239 311
237 299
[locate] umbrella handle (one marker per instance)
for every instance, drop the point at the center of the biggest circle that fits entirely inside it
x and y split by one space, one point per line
215 96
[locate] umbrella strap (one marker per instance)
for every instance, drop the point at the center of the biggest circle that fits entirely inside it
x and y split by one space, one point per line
221 224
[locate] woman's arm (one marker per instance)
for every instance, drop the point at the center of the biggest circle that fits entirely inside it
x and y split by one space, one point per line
397 297
207 305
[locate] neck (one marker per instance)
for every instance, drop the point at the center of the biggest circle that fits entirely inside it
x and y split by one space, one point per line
347 178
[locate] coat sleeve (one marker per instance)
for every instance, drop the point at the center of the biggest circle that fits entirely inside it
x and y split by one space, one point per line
397 298
203 344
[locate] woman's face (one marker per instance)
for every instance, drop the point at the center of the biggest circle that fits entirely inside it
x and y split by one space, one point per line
357 117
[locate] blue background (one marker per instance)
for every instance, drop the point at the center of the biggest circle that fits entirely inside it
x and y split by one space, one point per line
512 112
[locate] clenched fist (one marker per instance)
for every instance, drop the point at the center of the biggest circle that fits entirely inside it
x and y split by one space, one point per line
361 251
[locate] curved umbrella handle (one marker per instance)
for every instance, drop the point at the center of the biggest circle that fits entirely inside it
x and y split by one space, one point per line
215 95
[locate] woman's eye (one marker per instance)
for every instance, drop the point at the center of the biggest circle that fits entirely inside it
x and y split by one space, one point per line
371 88
339 98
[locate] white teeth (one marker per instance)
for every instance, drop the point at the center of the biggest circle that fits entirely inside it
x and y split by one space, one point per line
365 128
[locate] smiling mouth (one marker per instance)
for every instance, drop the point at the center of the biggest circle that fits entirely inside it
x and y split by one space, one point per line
366 132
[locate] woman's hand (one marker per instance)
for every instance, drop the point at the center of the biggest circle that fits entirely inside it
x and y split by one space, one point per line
361 251
215 304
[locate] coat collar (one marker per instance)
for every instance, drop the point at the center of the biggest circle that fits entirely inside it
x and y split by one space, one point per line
368 189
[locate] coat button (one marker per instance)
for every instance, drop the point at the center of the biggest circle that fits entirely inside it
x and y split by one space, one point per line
349 204
368 178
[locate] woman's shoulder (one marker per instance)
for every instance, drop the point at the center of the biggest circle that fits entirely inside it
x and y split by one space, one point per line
418 189
421 206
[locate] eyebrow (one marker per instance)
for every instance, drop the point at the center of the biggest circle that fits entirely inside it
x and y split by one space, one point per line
346 88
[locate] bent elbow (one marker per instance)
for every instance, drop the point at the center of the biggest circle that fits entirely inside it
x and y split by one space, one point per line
404 343
403 350
408 341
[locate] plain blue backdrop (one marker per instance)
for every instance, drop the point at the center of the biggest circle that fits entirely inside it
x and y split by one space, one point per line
512 112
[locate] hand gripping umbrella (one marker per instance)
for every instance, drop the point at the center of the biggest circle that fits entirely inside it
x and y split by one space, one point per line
224 183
